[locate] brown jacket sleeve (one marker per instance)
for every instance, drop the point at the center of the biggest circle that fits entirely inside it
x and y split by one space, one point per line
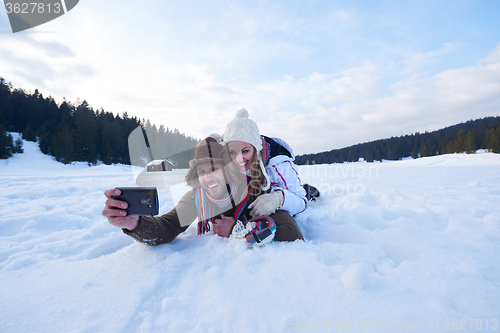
156 230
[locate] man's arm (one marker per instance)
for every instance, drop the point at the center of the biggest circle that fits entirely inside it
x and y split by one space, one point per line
152 230
156 230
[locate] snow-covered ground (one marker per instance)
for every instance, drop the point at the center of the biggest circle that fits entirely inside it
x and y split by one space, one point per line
410 245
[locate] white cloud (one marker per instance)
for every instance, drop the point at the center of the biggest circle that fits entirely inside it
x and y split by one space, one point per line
414 61
430 103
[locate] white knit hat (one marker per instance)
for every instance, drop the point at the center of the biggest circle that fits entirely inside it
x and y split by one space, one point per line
243 129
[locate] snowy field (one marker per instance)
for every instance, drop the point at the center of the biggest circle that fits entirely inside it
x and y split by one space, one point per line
409 245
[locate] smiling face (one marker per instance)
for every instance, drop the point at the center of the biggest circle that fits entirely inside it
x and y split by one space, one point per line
241 153
211 178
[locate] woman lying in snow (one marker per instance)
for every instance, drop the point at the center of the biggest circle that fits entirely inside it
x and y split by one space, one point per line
268 162
220 202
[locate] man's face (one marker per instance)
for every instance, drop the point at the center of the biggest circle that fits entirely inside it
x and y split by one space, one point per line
211 179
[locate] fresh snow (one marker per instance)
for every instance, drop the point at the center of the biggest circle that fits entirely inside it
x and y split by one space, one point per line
411 245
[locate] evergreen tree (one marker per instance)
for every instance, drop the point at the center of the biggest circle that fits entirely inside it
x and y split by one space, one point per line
6 143
424 151
45 145
63 145
369 156
460 142
377 156
5 104
85 134
451 147
29 134
433 150
496 145
492 140
414 153
107 154
470 145
443 144
18 146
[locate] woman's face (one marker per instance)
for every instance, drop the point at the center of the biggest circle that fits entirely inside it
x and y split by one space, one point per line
241 153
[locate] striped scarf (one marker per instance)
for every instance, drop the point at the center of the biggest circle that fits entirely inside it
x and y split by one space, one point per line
206 209
267 152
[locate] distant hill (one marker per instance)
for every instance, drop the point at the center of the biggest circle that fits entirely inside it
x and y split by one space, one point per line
464 137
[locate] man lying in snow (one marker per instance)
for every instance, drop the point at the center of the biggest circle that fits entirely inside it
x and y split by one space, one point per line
220 203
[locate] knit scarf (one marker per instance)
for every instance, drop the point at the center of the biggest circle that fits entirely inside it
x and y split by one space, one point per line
206 205
267 152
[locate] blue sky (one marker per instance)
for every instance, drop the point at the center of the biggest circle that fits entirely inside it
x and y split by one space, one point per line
319 74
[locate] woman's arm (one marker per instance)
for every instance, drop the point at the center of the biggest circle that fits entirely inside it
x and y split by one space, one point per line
285 178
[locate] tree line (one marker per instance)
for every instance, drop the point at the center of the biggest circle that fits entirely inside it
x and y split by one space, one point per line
75 131
464 137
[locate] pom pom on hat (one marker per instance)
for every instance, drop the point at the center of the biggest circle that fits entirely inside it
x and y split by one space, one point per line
243 129
243 113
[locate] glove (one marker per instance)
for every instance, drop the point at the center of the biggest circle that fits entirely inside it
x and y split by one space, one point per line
257 232
223 226
266 204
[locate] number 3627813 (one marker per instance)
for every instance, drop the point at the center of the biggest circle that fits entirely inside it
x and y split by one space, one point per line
33 8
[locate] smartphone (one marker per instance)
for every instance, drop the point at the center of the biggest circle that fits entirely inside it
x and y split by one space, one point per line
141 200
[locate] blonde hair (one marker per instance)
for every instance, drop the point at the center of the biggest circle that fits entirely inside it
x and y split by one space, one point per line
256 172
